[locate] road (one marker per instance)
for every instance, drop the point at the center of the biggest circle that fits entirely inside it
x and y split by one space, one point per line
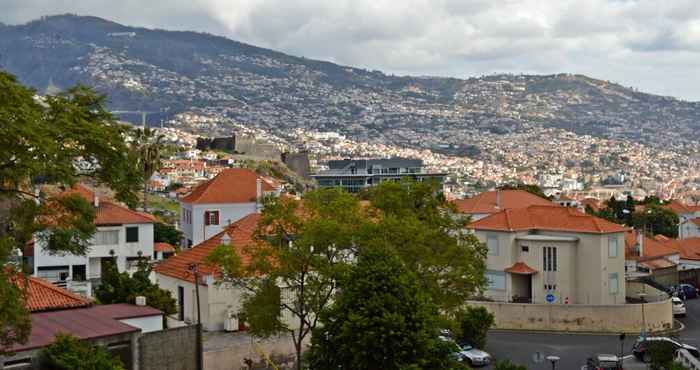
574 349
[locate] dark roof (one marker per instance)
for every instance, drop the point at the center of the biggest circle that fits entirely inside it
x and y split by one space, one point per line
83 323
384 162
123 311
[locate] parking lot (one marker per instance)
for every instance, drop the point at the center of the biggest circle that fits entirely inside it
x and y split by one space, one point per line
574 349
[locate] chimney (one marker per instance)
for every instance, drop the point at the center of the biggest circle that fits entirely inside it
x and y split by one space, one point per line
140 300
498 198
95 200
225 240
640 242
258 193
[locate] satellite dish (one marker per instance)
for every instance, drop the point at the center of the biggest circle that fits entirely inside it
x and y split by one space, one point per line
538 357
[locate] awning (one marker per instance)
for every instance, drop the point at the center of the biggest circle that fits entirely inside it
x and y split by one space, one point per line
521 268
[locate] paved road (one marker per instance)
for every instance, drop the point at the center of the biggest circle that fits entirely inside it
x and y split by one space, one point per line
573 349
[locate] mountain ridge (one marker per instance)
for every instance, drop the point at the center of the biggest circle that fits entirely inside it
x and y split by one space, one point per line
171 72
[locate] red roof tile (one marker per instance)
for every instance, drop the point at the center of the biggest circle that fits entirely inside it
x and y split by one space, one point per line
163 247
677 207
509 199
521 268
240 234
44 296
550 217
123 311
657 263
689 249
234 185
109 212
651 248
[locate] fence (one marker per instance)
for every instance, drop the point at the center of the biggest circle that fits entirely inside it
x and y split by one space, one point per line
687 360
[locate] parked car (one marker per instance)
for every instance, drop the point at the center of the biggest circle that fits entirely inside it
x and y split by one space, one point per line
684 291
678 306
642 345
603 362
466 353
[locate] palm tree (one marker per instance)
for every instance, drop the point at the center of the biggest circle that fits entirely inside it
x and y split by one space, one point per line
148 146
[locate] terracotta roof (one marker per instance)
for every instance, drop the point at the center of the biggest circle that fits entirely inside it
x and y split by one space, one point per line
696 221
163 247
486 202
564 197
521 268
677 207
240 234
651 248
44 296
108 211
233 185
591 202
550 217
661 238
689 249
657 263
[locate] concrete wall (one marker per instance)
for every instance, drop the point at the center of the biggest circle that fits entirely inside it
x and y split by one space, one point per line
147 324
634 288
224 351
170 349
617 318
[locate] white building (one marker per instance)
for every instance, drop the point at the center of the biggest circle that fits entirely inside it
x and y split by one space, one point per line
122 234
228 197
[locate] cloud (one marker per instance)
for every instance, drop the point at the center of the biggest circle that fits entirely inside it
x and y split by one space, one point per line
649 44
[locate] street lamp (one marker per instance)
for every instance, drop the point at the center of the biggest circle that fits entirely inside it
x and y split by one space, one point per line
622 350
553 360
644 320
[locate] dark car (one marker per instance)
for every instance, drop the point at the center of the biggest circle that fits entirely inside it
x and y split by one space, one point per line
642 346
685 291
603 362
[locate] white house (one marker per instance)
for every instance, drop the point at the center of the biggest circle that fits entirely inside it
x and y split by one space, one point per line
122 234
228 197
688 219
220 304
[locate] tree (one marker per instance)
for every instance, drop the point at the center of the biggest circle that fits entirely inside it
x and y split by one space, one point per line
428 234
164 233
381 319
657 220
70 353
301 250
119 287
148 146
53 140
474 323
530 188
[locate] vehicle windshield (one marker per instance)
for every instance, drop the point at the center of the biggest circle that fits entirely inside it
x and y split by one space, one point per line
466 347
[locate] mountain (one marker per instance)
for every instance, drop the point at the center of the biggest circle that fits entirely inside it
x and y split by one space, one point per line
170 72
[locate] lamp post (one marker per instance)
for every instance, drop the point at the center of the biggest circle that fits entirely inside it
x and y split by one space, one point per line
644 320
622 350
200 360
553 360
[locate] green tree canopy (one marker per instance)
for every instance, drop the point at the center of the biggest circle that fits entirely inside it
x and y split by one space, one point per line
381 319
70 353
53 140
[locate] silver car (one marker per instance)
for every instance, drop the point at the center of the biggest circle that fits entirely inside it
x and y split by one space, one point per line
475 357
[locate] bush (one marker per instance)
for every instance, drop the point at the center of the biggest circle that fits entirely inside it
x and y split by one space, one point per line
507 365
661 355
69 353
474 325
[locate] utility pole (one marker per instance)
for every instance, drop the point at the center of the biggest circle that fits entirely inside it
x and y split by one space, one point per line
200 358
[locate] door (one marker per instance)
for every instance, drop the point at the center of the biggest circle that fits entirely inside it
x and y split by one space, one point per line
181 303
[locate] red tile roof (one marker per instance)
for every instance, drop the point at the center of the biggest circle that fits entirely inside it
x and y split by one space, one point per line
689 249
108 211
550 217
509 199
657 263
240 234
591 202
234 185
44 296
677 207
163 247
651 248
123 311
521 268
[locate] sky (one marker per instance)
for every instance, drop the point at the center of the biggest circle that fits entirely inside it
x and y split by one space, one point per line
651 45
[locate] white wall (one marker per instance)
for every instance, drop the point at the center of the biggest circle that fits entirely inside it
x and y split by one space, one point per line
228 213
146 324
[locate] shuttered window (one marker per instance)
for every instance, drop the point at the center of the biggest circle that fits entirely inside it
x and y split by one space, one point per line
211 217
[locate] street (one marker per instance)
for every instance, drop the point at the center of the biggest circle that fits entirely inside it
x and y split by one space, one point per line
574 349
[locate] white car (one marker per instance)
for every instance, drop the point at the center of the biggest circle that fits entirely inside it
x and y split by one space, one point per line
467 353
678 306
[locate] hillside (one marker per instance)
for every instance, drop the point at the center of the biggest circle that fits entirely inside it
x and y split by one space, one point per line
172 72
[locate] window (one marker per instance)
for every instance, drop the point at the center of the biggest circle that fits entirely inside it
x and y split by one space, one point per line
132 234
492 244
612 247
211 217
496 279
525 248
549 258
106 237
613 283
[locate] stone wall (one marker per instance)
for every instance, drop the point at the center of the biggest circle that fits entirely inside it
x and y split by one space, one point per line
228 351
169 349
627 318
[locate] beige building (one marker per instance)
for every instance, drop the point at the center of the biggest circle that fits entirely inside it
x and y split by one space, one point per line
542 251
